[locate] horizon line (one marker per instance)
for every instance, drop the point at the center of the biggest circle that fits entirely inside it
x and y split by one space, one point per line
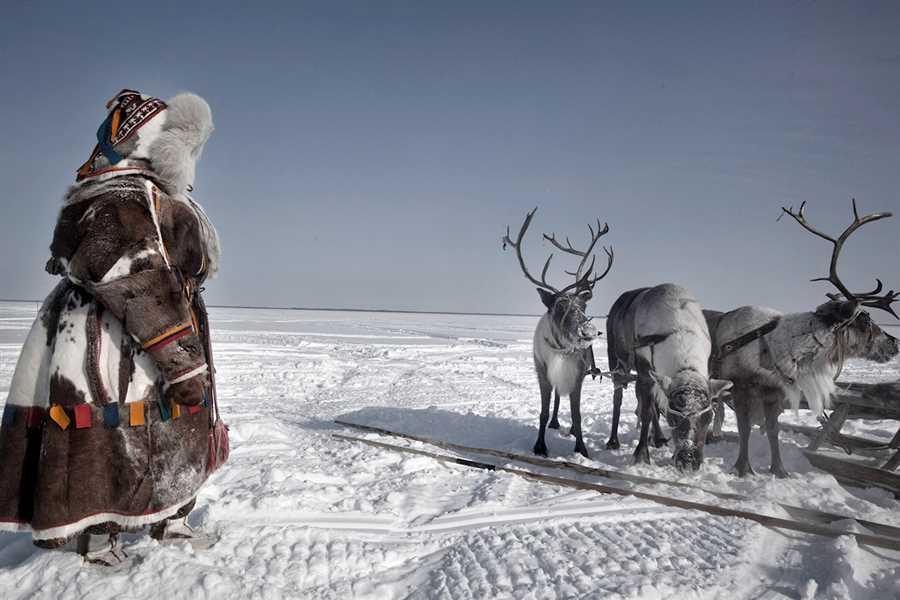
334 309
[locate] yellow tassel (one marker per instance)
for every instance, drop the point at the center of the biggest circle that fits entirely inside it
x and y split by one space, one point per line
137 414
58 414
176 410
115 124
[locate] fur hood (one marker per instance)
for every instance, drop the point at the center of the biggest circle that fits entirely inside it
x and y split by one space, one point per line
165 148
174 152
168 144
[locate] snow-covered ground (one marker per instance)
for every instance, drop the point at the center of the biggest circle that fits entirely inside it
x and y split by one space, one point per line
304 515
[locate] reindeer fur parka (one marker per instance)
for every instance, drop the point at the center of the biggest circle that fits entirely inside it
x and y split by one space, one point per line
105 426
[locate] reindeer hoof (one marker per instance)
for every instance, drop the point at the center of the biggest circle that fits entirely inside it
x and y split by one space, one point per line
660 442
612 444
540 449
553 425
743 469
779 472
642 457
582 450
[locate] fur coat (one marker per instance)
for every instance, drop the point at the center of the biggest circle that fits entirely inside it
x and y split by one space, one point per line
106 423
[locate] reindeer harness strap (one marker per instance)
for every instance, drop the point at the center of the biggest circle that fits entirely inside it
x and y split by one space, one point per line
736 344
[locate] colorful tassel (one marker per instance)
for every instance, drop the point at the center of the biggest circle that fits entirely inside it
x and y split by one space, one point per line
164 413
83 418
176 410
194 409
59 416
9 415
137 414
111 415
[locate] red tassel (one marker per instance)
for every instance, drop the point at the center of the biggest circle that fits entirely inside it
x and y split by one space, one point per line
82 416
218 449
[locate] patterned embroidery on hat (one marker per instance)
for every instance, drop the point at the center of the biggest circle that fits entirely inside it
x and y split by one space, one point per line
136 117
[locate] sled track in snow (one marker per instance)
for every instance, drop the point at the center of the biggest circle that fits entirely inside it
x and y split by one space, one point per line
804 520
625 511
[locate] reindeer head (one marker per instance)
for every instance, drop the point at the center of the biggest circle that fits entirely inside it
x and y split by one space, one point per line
571 328
686 401
858 335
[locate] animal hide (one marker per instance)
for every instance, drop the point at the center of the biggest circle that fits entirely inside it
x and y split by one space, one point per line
106 346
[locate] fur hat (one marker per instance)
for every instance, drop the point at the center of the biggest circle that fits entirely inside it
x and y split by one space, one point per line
142 133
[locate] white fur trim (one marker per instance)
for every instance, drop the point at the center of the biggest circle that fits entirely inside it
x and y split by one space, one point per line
189 375
151 192
174 152
99 184
127 521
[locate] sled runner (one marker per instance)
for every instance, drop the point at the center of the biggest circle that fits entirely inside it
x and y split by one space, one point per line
801 519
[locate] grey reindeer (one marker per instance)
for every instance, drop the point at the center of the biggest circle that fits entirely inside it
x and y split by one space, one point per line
661 333
777 359
562 339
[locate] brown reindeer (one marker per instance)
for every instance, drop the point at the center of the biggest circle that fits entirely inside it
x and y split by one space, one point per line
563 337
776 359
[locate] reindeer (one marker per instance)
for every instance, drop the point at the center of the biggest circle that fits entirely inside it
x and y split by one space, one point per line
562 339
660 332
776 359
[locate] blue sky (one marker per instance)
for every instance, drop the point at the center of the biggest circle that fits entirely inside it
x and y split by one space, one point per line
370 154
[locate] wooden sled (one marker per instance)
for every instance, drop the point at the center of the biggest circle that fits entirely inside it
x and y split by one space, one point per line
875 462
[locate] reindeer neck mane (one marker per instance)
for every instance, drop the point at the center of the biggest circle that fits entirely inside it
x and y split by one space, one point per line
807 354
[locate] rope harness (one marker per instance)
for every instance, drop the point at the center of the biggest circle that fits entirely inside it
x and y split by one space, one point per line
650 341
666 410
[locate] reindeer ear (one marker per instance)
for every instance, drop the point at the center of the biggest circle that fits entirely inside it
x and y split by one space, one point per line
719 388
548 298
838 311
663 381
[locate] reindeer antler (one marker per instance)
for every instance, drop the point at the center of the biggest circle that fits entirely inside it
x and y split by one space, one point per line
583 278
872 299
542 283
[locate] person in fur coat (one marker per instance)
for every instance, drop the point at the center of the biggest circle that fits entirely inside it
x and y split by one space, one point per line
107 421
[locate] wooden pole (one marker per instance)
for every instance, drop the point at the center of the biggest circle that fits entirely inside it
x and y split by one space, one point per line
720 511
795 512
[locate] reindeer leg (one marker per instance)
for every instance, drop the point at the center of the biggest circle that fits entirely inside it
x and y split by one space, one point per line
575 403
613 443
773 410
554 421
742 412
645 406
715 435
659 440
540 447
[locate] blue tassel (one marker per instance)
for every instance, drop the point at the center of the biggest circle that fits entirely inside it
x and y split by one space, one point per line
9 415
111 415
164 413
103 140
